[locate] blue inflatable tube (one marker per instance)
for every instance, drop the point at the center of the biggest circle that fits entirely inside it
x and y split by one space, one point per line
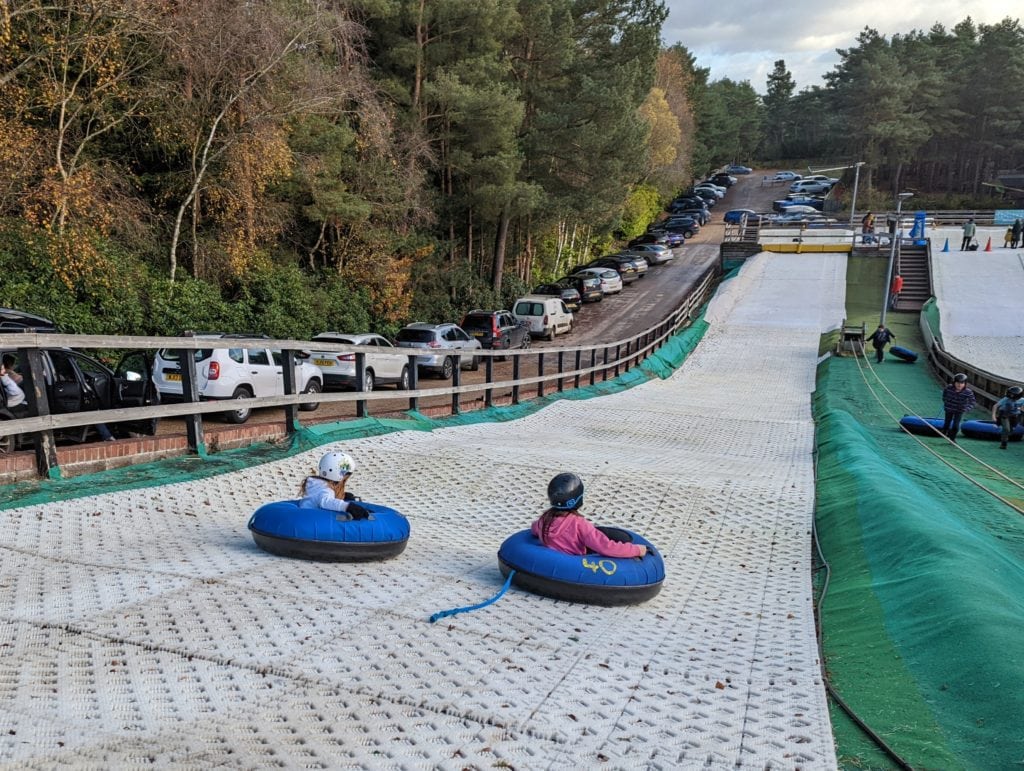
286 529
922 426
591 579
987 429
903 353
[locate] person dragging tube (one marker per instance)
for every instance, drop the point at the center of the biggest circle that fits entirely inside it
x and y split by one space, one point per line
881 338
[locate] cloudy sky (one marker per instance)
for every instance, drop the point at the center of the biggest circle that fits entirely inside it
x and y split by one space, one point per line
742 39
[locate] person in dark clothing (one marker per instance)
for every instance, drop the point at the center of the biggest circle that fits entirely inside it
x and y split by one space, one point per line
957 398
881 338
1016 230
1006 412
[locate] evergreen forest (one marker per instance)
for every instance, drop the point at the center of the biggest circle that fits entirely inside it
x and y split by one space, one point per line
289 167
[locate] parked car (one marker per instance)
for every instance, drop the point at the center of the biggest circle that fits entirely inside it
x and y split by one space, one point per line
445 341
830 181
799 199
735 168
235 373
718 192
786 176
799 209
700 213
567 293
736 216
381 367
12 320
611 281
663 237
809 186
589 287
627 267
638 259
546 316
496 330
75 382
686 229
655 254
721 178
687 202
690 224
674 238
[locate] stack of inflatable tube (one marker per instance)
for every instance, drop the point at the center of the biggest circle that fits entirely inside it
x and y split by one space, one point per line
591 578
286 529
987 429
903 353
921 426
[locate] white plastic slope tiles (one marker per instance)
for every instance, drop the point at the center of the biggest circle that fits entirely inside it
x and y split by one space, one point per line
979 300
145 629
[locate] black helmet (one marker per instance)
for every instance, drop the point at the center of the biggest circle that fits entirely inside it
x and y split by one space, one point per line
960 378
1014 392
565 492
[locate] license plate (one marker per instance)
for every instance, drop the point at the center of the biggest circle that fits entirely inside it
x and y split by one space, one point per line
173 377
323 362
477 334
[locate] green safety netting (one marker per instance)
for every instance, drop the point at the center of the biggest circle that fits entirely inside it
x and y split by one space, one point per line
661 364
923 622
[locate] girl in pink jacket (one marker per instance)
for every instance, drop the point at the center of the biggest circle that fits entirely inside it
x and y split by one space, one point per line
563 529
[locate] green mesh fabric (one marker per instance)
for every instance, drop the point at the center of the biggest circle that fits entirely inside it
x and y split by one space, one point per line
931 312
923 624
182 469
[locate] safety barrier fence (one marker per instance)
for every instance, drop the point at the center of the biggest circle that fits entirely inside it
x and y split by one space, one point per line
556 368
988 387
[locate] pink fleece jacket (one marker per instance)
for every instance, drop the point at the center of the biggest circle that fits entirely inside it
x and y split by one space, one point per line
573 534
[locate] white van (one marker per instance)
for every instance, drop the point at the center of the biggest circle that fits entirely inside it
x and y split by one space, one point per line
545 316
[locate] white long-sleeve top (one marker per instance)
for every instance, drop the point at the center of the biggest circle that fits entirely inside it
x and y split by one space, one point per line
319 495
15 395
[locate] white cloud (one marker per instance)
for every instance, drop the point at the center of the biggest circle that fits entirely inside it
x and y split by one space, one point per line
742 39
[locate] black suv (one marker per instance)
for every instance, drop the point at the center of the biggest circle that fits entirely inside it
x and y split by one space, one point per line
568 293
499 330
628 267
78 383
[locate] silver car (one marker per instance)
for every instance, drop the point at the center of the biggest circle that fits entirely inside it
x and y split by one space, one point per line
444 341
655 254
382 367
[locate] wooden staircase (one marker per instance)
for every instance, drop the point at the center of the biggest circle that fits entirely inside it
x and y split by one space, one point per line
917 282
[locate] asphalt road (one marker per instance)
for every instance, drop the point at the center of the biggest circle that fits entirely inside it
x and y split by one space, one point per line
639 306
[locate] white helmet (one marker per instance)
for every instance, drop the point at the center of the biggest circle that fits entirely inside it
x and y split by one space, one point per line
335 466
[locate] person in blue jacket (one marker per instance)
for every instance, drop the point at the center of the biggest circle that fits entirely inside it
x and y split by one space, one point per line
326 488
957 398
1006 412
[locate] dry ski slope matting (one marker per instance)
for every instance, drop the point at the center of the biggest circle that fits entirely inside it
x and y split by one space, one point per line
980 296
145 629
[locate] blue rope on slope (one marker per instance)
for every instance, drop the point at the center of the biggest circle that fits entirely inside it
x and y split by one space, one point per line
454 611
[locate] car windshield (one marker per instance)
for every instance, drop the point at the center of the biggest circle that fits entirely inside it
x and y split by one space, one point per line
415 335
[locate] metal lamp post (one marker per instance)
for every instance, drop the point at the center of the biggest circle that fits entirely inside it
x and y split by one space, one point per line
856 183
892 255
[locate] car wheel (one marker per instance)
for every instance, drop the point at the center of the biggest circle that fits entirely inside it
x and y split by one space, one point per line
312 387
403 380
688 233
447 368
242 414
368 381
475 365
525 345
551 334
